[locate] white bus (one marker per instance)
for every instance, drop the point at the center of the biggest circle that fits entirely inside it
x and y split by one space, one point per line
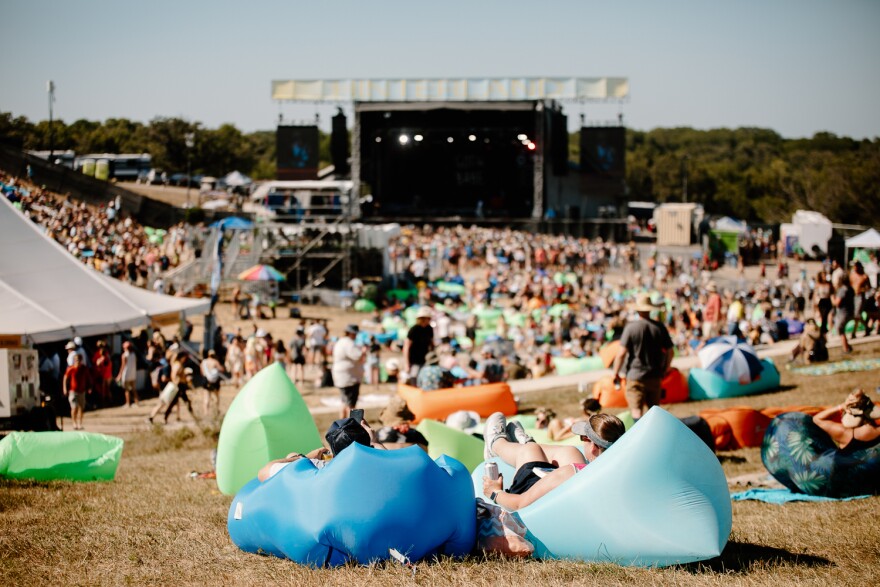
298 200
124 167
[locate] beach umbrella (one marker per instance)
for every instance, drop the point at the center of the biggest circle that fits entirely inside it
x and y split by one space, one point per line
732 359
261 273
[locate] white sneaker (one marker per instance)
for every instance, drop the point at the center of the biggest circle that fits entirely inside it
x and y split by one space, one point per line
516 433
496 427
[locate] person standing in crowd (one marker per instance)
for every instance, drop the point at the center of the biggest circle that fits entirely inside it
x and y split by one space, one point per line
181 376
647 350
212 371
822 301
858 281
76 384
103 371
297 346
348 369
419 342
843 310
316 342
235 360
712 312
127 376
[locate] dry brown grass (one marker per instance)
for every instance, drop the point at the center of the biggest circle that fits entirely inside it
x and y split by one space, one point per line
154 525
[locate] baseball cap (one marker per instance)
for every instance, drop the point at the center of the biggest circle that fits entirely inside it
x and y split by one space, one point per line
344 432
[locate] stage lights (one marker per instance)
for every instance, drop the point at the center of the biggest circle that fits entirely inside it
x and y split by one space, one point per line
378 139
531 146
472 138
418 138
522 137
404 139
450 140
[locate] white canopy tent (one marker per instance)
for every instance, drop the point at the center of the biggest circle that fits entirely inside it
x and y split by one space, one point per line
870 239
47 295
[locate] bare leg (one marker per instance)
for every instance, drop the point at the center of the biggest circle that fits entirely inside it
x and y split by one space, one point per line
516 454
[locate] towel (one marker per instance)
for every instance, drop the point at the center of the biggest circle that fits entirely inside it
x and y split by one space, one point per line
781 496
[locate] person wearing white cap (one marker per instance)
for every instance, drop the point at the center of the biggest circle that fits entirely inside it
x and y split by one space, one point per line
647 349
419 342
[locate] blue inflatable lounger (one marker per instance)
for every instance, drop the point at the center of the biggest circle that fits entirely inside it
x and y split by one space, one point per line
357 507
657 497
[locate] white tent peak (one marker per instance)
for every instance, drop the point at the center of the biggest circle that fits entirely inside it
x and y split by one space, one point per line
870 239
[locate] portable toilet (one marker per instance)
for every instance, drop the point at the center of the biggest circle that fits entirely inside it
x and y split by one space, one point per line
88 167
102 169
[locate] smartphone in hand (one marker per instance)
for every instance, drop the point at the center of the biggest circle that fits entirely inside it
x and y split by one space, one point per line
357 415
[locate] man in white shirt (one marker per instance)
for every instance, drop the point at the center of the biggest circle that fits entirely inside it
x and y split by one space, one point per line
348 369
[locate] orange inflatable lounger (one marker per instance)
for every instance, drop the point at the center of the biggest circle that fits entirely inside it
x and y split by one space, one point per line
675 389
743 427
483 399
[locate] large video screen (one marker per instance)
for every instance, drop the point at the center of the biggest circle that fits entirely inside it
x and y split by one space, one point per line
297 152
603 160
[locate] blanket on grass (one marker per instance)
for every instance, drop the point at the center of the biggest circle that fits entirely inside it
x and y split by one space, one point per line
838 367
781 496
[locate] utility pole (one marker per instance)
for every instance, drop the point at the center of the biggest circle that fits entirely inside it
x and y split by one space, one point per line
190 139
50 87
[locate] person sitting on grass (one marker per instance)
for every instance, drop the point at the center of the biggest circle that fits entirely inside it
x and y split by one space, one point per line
811 344
857 427
540 468
560 429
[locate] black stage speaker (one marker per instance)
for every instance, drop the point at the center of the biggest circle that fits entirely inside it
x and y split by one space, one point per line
339 143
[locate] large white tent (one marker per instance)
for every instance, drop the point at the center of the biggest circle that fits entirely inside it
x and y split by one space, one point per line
47 295
870 239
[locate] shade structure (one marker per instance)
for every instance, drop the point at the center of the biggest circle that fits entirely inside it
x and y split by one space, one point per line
732 359
261 273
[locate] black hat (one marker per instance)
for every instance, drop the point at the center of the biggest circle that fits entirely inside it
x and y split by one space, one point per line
344 432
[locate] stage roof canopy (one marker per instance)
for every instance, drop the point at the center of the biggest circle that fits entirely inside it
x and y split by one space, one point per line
495 89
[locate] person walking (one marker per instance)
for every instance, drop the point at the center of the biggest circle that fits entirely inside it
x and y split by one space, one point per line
348 369
647 350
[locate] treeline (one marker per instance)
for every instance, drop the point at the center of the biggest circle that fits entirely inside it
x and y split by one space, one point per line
215 152
749 173
754 174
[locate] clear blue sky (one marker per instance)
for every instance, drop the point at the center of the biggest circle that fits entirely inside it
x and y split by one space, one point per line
795 66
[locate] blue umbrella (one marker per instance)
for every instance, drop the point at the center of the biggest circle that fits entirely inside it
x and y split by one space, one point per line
233 222
732 359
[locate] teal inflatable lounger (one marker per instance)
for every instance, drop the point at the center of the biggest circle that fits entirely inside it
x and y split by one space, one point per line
52 456
703 384
657 497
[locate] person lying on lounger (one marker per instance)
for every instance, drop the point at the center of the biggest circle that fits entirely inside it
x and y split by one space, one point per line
540 468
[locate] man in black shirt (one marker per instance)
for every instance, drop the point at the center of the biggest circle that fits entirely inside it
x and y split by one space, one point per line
419 342
647 348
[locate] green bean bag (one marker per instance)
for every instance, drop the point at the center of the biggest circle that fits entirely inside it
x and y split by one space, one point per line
267 420
569 366
50 456
488 317
444 440
401 294
450 288
364 305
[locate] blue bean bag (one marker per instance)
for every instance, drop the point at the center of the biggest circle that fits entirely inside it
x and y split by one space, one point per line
362 503
802 456
657 497
703 384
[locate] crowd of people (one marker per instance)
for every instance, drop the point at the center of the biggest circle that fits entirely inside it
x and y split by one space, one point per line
481 305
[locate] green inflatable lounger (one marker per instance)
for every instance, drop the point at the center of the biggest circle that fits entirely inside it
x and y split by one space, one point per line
571 365
267 420
445 440
53 456
703 384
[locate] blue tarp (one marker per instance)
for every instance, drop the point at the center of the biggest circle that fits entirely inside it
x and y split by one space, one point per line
233 222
